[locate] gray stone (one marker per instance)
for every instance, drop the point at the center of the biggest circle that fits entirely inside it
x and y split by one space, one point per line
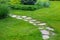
24 16
14 16
33 20
45 37
37 22
18 17
25 19
50 28
42 24
45 32
28 18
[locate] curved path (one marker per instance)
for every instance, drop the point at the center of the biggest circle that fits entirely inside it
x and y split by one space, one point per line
43 28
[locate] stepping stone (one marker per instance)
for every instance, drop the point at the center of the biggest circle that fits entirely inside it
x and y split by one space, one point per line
45 37
37 22
32 23
32 20
18 17
14 16
25 19
45 32
24 16
42 24
50 28
28 18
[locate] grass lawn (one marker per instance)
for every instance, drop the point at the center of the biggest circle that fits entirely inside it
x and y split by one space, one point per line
13 29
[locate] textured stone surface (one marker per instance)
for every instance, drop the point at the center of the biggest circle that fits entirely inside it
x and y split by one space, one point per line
45 37
37 22
45 32
28 18
25 20
18 17
13 15
42 24
50 28
33 20
24 16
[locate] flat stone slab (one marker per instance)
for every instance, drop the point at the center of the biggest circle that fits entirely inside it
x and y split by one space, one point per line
37 22
45 37
25 19
42 24
18 17
33 20
14 16
50 28
45 32
24 16
28 18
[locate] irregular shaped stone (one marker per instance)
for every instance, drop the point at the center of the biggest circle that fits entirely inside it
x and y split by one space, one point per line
29 18
25 19
42 24
37 22
19 17
45 32
45 37
14 16
24 16
32 20
50 28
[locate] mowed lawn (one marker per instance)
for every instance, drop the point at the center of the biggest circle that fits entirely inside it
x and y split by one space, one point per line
13 29
49 15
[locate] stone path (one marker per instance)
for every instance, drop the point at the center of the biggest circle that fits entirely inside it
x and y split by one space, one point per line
43 28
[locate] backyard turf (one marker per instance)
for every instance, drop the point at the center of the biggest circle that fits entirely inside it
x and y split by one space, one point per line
13 29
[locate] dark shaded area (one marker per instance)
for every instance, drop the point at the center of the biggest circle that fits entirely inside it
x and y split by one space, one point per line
28 2
54 0
4 11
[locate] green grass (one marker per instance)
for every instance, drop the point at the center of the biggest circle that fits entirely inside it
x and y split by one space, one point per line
49 15
13 29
